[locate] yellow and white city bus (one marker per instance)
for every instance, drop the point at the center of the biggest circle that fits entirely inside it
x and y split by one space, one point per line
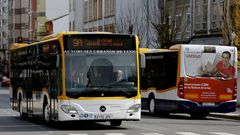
74 76
193 79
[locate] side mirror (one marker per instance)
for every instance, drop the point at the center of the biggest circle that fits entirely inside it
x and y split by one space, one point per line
142 60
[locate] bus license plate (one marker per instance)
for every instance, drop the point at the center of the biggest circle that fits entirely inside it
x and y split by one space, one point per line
102 116
208 104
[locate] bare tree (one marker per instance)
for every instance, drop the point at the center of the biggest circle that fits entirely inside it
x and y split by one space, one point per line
229 21
225 23
165 22
235 17
129 21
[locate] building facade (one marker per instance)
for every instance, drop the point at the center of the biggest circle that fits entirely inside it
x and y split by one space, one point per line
207 21
3 37
117 16
99 15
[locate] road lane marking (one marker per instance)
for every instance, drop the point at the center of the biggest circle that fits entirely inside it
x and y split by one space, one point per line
77 134
17 126
151 134
154 130
187 133
221 133
114 134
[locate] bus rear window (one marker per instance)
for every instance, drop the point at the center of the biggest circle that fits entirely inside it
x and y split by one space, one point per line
205 64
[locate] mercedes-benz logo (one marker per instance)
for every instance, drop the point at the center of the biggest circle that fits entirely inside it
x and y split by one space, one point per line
102 108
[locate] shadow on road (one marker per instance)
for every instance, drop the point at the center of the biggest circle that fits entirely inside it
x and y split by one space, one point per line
180 116
15 124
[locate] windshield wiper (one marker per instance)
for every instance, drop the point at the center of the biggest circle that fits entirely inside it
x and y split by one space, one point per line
111 89
126 94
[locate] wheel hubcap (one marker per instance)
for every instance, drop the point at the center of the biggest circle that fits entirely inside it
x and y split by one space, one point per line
46 113
152 106
20 109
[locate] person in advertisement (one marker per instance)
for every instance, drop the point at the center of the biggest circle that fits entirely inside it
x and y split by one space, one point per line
224 68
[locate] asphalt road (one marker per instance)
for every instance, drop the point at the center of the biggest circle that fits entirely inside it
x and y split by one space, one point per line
177 124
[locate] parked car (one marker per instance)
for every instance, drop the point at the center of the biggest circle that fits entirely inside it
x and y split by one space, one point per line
5 82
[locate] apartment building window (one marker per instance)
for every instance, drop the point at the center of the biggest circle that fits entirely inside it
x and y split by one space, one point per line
112 7
95 29
213 25
106 7
188 20
178 21
197 26
204 26
204 15
73 25
100 28
178 18
109 28
95 9
216 13
90 10
85 10
109 7
179 35
70 26
197 14
99 9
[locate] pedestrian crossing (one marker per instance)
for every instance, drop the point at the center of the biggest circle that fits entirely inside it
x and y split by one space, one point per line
117 133
9 112
174 133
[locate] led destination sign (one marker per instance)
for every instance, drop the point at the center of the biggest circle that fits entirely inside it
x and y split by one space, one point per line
99 42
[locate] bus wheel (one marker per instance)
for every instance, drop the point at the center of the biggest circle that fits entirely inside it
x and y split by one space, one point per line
151 106
199 114
22 114
46 113
115 123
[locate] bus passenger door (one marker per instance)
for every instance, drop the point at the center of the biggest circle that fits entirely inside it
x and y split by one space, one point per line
54 86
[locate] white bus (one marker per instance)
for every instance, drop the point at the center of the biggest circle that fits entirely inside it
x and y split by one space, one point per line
76 76
193 79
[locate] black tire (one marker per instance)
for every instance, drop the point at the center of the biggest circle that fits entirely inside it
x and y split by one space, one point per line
115 123
151 105
22 115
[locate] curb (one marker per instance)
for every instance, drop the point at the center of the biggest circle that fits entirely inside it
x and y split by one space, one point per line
227 116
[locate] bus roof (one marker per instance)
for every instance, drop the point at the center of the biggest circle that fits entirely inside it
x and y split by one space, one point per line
150 50
56 36
72 33
17 45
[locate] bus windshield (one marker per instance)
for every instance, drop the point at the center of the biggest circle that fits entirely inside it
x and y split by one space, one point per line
100 73
200 64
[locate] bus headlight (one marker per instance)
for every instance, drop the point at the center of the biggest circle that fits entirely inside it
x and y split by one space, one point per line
69 109
134 108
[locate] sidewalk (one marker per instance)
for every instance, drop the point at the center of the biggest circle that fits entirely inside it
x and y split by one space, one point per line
233 115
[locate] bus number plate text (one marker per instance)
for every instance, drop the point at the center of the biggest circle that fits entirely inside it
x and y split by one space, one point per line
208 104
102 116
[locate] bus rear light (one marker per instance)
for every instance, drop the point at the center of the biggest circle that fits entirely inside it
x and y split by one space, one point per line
234 92
181 89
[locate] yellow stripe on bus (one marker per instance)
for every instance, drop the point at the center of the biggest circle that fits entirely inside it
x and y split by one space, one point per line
225 96
191 96
160 91
97 98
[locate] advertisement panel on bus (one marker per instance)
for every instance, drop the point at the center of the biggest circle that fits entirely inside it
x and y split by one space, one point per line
209 74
